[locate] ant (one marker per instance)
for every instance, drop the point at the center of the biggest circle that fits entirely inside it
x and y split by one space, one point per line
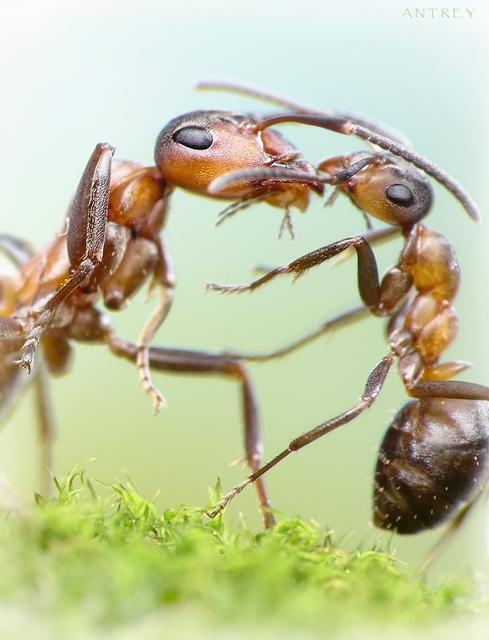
113 243
433 463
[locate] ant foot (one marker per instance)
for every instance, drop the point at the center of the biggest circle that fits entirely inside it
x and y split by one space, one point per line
222 504
238 288
159 401
142 363
268 519
27 353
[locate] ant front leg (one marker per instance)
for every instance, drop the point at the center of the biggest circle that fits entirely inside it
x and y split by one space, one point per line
197 362
368 275
342 319
85 241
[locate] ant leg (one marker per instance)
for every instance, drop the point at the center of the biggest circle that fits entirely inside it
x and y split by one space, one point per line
85 241
46 424
165 283
368 275
448 535
345 318
198 362
17 250
374 385
18 253
12 379
241 205
450 389
341 320
288 224
375 237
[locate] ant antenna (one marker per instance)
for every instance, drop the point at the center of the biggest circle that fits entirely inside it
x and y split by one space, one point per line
300 107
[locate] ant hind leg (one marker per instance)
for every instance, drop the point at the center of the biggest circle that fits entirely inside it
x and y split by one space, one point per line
373 387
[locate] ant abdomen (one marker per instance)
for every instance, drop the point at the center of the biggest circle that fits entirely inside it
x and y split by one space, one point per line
433 460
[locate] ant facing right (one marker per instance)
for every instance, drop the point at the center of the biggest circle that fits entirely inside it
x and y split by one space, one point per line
433 463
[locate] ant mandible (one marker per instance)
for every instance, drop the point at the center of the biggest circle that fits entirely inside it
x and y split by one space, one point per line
433 463
113 244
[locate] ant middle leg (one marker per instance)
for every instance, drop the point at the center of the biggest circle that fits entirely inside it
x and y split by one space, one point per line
197 362
350 316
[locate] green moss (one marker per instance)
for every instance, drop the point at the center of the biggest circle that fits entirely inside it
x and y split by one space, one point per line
112 561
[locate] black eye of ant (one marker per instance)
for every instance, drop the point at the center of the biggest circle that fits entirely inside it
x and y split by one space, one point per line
194 137
400 194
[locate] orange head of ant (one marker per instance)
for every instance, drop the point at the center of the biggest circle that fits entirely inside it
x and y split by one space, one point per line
388 188
198 147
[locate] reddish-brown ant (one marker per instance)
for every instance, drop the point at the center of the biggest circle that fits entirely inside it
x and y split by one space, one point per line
433 463
113 244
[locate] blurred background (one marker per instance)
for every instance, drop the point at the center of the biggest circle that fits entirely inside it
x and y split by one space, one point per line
76 73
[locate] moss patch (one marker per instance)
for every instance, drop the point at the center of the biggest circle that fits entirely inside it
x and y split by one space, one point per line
106 560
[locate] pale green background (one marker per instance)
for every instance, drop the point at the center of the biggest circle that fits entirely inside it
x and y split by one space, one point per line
76 73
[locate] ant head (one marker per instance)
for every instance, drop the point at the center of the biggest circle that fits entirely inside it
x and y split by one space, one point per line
347 126
389 189
196 148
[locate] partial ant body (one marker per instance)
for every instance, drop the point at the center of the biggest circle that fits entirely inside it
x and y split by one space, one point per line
433 463
114 243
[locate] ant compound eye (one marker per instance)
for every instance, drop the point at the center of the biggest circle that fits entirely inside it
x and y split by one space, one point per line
194 137
400 194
